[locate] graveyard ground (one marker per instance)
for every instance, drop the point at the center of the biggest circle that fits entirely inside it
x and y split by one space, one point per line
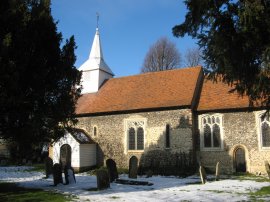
230 188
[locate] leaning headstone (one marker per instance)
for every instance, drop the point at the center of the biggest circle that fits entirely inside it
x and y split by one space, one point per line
69 175
57 174
111 166
48 166
103 180
267 168
133 167
217 171
202 175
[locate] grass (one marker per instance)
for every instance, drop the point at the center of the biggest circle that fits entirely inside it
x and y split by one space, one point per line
261 195
249 176
264 191
115 197
37 168
10 192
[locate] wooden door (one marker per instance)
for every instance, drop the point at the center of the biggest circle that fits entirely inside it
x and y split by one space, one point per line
65 155
240 160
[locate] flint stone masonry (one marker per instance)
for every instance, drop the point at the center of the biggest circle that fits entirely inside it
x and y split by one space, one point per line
239 130
112 133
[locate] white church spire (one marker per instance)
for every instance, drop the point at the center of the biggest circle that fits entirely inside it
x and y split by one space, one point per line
95 70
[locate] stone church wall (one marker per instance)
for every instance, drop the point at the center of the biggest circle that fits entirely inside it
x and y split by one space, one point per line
240 129
111 134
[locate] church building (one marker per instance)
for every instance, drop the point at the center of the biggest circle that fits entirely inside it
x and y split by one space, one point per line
174 111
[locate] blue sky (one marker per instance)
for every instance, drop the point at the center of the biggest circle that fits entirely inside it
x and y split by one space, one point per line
127 28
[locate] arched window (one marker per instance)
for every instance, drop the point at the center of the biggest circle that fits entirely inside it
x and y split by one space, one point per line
211 131
207 136
140 139
216 135
131 138
167 136
265 130
135 133
95 130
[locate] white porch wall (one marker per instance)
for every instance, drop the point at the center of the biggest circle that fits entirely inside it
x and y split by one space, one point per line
75 150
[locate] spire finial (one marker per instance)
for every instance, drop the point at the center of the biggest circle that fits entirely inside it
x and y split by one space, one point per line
97 18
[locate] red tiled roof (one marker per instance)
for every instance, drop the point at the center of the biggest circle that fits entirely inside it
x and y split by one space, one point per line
172 88
216 96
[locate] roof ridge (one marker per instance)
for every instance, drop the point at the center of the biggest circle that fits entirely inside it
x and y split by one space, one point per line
158 72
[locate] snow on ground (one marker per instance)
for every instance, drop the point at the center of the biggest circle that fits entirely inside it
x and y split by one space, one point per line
164 188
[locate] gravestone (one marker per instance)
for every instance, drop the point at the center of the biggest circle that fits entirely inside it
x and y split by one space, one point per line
133 167
103 180
38 159
111 166
203 175
29 163
149 173
69 175
3 162
48 166
217 171
57 174
267 168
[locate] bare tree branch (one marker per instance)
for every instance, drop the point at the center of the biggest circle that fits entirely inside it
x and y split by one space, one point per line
193 57
163 55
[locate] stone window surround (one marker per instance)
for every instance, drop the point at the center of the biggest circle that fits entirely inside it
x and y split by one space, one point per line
258 115
201 130
135 122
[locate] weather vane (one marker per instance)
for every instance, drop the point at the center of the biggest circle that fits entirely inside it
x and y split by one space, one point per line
97 18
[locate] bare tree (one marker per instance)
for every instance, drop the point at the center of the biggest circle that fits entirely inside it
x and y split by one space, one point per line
193 57
163 55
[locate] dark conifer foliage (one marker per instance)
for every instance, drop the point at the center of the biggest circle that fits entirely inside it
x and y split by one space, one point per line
38 80
235 39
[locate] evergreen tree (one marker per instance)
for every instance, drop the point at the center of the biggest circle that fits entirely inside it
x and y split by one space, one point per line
38 79
235 39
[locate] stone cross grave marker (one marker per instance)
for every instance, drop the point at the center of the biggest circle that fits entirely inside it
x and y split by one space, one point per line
103 180
48 166
267 168
111 166
57 174
133 167
217 171
69 175
203 175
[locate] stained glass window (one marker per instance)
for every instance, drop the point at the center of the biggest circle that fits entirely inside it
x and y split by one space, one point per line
131 138
211 131
207 136
140 139
216 135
